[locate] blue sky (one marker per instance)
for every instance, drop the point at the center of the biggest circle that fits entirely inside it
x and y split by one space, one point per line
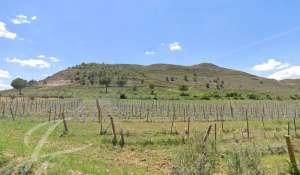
39 38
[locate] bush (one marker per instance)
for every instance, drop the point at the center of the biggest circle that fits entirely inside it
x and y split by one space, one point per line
195 158
184 94
209 95
123 96
245 161
234 95
295 97
253 97
269 97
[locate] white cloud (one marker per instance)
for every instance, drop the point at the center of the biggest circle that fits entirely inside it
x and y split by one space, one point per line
270 65
4 86
34 18
22 19
175 46
53 59
41 56
150 53
4 33
4 74
35 63
292 72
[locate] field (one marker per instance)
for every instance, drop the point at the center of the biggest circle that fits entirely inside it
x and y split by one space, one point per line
71 136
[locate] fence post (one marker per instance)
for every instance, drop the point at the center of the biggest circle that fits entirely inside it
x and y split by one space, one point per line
291 154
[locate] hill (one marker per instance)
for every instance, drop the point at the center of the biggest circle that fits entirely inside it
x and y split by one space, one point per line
166 77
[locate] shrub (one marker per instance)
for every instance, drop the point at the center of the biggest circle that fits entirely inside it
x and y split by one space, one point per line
184 94
295 97
253 96
123 96
245 161
234 95
195 158
269 97
134 88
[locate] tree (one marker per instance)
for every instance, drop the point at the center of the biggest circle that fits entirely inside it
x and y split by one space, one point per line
207 85
151 86
183 89
186 78
19 84
33 83
105 80
122 81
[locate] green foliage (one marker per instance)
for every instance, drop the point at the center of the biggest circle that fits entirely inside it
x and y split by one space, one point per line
209 95
245 161
207 85
295 97
151 86
121 82
19 84
183 88
253 96
134 88
33 83
196 158
186 78
268 97
234 95
123 96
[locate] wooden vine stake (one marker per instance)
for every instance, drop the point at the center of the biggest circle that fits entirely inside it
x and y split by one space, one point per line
288 128
247 120
295 126
100 118
49 116
292 155
216 136
122 140
207 133
114 139
66 130
188 126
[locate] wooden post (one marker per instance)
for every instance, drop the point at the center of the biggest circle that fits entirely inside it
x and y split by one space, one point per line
66 130
288 128
100 118
114 140
222 124
173 121
248 132
263 124
122 141
49 117
295 127
291 154
207 133
216 136
188 128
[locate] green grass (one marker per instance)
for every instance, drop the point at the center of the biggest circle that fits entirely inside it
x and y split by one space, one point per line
149 147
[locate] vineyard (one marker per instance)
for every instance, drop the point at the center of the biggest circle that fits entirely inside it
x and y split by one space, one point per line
110 136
